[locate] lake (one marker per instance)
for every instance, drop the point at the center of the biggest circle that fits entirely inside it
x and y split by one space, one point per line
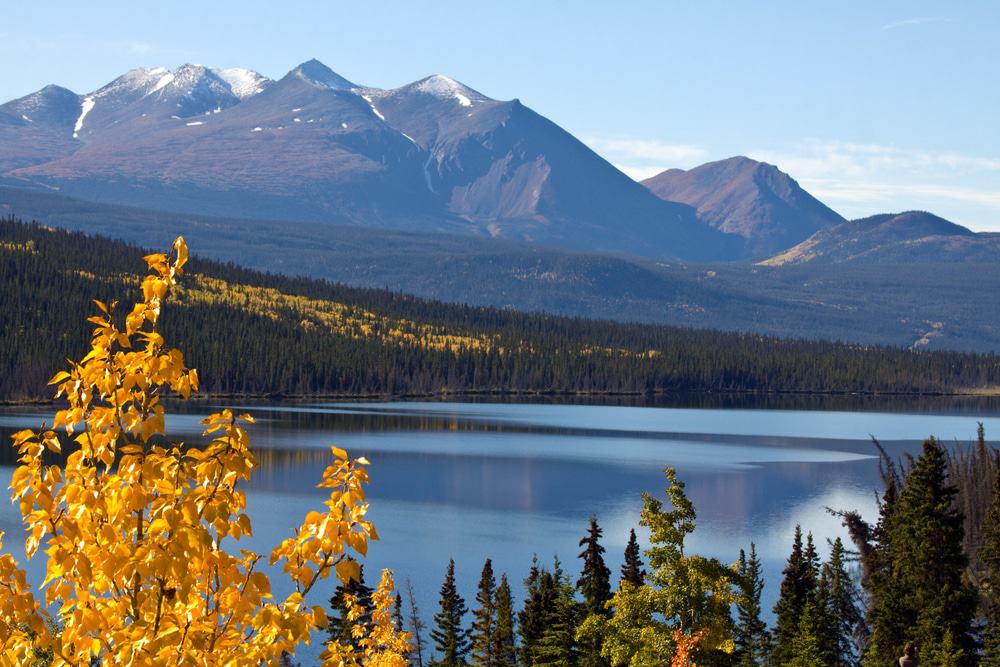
508 480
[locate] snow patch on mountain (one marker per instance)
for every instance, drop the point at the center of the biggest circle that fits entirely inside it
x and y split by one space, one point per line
243 82
367 98
164 81
86 107
446 87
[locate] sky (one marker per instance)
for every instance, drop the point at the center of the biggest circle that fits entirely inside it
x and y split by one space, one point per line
872 107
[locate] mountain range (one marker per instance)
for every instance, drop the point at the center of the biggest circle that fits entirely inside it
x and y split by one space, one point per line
436 189
433 156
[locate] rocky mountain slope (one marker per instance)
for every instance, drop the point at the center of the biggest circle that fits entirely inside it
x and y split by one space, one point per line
752 200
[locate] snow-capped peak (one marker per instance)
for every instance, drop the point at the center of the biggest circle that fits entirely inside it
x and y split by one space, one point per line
318 74
140 79
447 88
242 82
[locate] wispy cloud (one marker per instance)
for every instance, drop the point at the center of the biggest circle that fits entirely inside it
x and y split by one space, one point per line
642 158
916 20
859 179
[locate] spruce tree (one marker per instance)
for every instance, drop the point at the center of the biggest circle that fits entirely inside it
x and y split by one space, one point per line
450 638
811 645
397 620
752 638
504 649
557 645
796 589
594 583
484 619
338 626
538 600
888 613
595 587
928 559
989 554
632 571
844 611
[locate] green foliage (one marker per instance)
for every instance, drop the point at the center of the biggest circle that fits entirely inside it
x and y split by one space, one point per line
927 534
450 637
989 554
557 645
685 593
484 620
538 600
594 583
504 649
797 588
752 640
632 569
845 613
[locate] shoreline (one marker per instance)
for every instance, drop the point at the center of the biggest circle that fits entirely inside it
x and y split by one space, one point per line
984 392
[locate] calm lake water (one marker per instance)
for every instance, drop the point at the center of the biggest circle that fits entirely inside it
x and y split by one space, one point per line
509 480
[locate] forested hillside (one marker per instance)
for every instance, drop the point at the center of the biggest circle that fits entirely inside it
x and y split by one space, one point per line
254 333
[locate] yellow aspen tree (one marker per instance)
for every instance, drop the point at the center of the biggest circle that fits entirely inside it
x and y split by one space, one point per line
141 536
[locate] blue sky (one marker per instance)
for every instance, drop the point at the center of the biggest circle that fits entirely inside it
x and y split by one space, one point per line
872 106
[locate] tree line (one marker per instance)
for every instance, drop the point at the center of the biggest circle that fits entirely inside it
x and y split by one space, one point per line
907 577
48 279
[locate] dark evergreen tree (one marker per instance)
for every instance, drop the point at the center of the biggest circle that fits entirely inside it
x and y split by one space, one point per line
886 614
339 628
845 612
539 601
484 620
928 561
504 649
450 637
594 583
989 554
632 569
557 645
796 589
753 641
812 645
397 620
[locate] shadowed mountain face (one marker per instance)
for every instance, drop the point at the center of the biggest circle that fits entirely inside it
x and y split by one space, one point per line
38 127
910 237
752 200
432 156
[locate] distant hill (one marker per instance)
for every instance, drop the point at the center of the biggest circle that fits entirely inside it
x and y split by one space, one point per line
253 333
752 200
910 237
870 304
431 156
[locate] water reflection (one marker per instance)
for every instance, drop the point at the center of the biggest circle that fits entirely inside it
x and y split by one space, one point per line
505 480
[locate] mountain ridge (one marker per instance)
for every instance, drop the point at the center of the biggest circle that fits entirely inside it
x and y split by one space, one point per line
910 237
752 200
433 155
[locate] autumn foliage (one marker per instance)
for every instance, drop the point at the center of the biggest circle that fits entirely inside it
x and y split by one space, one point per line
141 536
